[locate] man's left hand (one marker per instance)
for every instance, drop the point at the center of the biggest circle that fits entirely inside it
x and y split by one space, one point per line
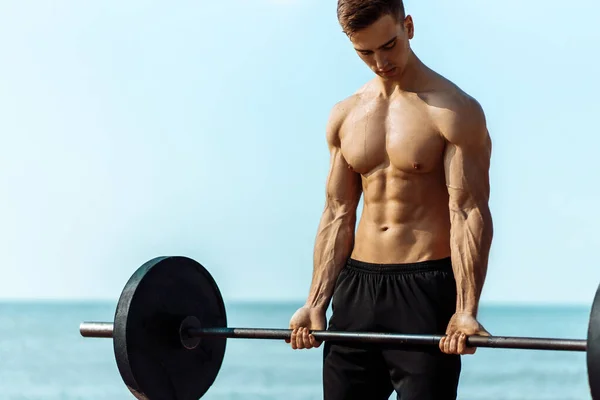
460 326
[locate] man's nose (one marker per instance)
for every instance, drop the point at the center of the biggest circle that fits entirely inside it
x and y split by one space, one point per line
381 61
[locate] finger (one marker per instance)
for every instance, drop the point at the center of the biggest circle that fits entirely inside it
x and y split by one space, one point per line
456 342
447 343
442 344
307 340
300 338
299 344
312 340
461 345
304 338
453 345
293 339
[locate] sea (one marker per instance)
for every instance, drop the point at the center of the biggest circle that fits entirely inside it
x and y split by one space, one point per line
43 356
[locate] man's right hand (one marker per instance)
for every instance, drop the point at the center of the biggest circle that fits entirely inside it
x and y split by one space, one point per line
304 320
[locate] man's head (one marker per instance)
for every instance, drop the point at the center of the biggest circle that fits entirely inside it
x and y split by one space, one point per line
379 31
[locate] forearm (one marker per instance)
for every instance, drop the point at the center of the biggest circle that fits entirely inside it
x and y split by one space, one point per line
333 246
470 241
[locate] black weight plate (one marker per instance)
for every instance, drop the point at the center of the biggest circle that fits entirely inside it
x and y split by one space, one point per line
593 348
151 359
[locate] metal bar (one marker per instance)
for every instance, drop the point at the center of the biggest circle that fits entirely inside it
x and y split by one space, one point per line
528 343
506 342
96 329
105 330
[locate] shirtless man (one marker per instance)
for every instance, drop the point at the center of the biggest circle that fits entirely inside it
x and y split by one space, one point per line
417 148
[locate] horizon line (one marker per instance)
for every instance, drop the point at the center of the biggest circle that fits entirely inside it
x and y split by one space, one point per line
272 301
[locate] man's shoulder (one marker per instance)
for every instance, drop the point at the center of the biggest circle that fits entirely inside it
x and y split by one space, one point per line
342 108
447 95
457 113
337 116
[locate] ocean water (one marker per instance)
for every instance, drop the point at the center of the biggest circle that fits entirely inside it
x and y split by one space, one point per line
43 357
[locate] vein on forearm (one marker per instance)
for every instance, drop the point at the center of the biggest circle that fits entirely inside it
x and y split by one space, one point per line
470 239
334 242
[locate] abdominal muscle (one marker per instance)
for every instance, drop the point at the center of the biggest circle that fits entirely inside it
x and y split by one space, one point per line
405 218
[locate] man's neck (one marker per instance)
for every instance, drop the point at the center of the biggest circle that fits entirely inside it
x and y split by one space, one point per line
411 79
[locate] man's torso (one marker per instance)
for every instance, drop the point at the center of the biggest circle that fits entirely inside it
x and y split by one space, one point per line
396 144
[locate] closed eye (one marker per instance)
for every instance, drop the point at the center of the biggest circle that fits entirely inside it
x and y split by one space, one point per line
390 46
387 46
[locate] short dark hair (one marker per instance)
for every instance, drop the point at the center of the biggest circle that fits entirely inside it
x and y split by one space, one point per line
354 15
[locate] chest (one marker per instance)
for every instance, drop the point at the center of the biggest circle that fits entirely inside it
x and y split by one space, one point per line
401 134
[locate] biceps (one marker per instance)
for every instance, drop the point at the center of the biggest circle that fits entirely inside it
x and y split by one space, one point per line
343 187
467 176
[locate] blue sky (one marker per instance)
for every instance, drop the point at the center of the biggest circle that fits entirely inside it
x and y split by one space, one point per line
143 128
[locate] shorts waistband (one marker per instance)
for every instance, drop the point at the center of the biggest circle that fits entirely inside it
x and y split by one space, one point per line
444 265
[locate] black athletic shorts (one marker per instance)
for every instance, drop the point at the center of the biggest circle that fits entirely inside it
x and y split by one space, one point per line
417 298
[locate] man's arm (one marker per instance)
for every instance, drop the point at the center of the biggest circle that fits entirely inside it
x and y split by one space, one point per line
467 163
335 233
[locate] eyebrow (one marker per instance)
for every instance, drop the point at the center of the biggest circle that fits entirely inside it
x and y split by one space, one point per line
383 45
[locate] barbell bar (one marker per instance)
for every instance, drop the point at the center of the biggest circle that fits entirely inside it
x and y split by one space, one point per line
170 330
104 330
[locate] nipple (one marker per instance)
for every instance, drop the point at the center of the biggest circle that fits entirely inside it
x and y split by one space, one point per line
416 165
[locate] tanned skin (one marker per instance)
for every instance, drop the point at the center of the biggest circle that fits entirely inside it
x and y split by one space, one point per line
417 148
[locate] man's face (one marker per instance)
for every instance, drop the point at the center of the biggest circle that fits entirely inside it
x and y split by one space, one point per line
384 45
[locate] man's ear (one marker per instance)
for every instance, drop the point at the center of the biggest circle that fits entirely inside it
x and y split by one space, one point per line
409 26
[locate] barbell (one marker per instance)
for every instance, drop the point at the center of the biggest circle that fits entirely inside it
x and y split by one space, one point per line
170 330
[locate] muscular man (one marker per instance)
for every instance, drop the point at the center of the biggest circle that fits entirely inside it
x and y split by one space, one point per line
417 148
